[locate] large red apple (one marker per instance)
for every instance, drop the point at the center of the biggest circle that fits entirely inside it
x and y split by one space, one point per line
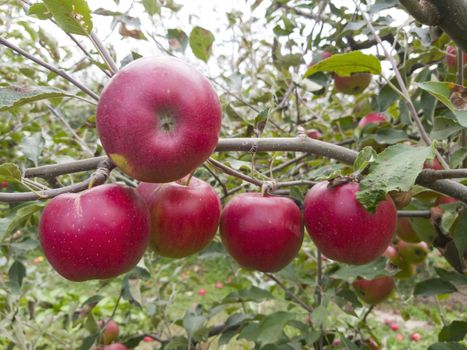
372 118
374 291
406 232
353 84
342 228
451 57
96 234
263 233
184 218
158 119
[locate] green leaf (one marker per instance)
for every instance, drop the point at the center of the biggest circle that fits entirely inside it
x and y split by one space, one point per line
458 157
348 344
395 169
193 323
460 234
346 64
455 331
10 172
442 91
365 157
16 274
47 41
32 146
19 218
434 286
201 43
254 294
152 7
451 276
178 40
443 127
15 96
40 11
447 346
369 271
73 16
271 327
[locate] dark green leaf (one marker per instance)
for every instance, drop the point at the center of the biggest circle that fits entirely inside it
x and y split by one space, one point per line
447 346
460 234
365 157
434 286
16 274
271 327
178 40
254 294
369 271
19 218
10 172
455 331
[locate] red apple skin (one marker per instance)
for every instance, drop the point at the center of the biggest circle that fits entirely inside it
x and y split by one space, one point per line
3 184
342 228
263 233
110 332
445 200
451 57
374 291
433 164
147 190
99 233
390 253
314 134
372 118
184 218
158 119
406 232
352 85
319 57
116 346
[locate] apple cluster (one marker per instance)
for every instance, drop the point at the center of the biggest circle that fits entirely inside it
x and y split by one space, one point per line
158 120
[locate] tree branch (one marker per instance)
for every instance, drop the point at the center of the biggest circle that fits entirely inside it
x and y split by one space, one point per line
294 144
423 11
50 68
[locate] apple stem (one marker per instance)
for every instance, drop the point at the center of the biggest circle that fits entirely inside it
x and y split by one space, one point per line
187 182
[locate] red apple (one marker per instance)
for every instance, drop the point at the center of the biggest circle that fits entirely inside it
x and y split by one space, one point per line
395 327
184 218
451 57
342 228
415 337
3 184
399 337
314 134
110 332
406 232
148 339
412 253
353 84
433 164
158 119
445 200
219 285
202 292
372 118
147 190
260 232
374 291
96 234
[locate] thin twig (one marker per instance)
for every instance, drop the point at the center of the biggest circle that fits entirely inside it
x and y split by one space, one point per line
234 172
50 67
103 52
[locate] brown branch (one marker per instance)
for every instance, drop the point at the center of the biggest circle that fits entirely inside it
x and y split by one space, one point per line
432 175
423 11
294 144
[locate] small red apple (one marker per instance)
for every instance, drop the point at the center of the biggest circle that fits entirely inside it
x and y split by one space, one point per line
374 291
219 285
158 119
202 292
3 184
394 326
148 339
372 118
96 234
342 228
260 232
412 253
110 332
451 58
314 134
184 217
433 164
406 232
399 337
415 337
353 84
